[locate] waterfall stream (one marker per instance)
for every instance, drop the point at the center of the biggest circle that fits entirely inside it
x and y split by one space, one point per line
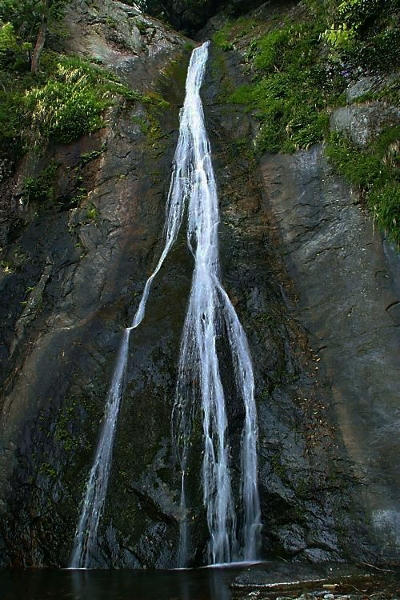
210 307
192 180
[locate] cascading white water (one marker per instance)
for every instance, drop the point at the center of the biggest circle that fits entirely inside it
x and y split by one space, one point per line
193 179
209 306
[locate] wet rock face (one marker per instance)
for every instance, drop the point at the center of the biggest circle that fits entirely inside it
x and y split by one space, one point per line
315 289
122 39
76 271
348 282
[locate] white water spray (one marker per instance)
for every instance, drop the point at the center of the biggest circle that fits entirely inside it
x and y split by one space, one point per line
209 307
193 179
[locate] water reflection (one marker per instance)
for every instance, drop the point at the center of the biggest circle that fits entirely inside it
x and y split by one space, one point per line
201 584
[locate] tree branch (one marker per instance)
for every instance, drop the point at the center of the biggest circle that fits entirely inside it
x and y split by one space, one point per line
40 40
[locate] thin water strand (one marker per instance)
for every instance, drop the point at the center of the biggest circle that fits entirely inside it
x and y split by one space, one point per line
96 486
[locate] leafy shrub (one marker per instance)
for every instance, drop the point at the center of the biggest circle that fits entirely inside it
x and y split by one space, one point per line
64 102
25 15
12 123
14 53
365 33
8 39
341 37
67 107
356 13
384 203
41 188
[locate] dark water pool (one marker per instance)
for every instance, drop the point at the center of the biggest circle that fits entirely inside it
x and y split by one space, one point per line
198 584
46 584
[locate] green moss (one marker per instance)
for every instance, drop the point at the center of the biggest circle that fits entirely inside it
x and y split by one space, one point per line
221 40
46 469
376 172
141 25
226 37
40 189
278 468
156 100
111 22
142 122
63 427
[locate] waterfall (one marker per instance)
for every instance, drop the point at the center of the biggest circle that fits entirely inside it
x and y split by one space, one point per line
209 305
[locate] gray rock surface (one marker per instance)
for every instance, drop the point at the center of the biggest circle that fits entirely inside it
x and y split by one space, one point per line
361 87
308 489
347 280
327 581
364 122
118 36
370 84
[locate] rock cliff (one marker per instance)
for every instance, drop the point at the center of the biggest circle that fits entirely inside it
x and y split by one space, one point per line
315 285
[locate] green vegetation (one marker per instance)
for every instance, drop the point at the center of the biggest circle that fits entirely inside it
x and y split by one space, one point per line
291 87
92 212
48 470
65 101
87 157
376 172
60 101
299 65
70 104
140 25
62 433
40 189
364 33
23 29
142 122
